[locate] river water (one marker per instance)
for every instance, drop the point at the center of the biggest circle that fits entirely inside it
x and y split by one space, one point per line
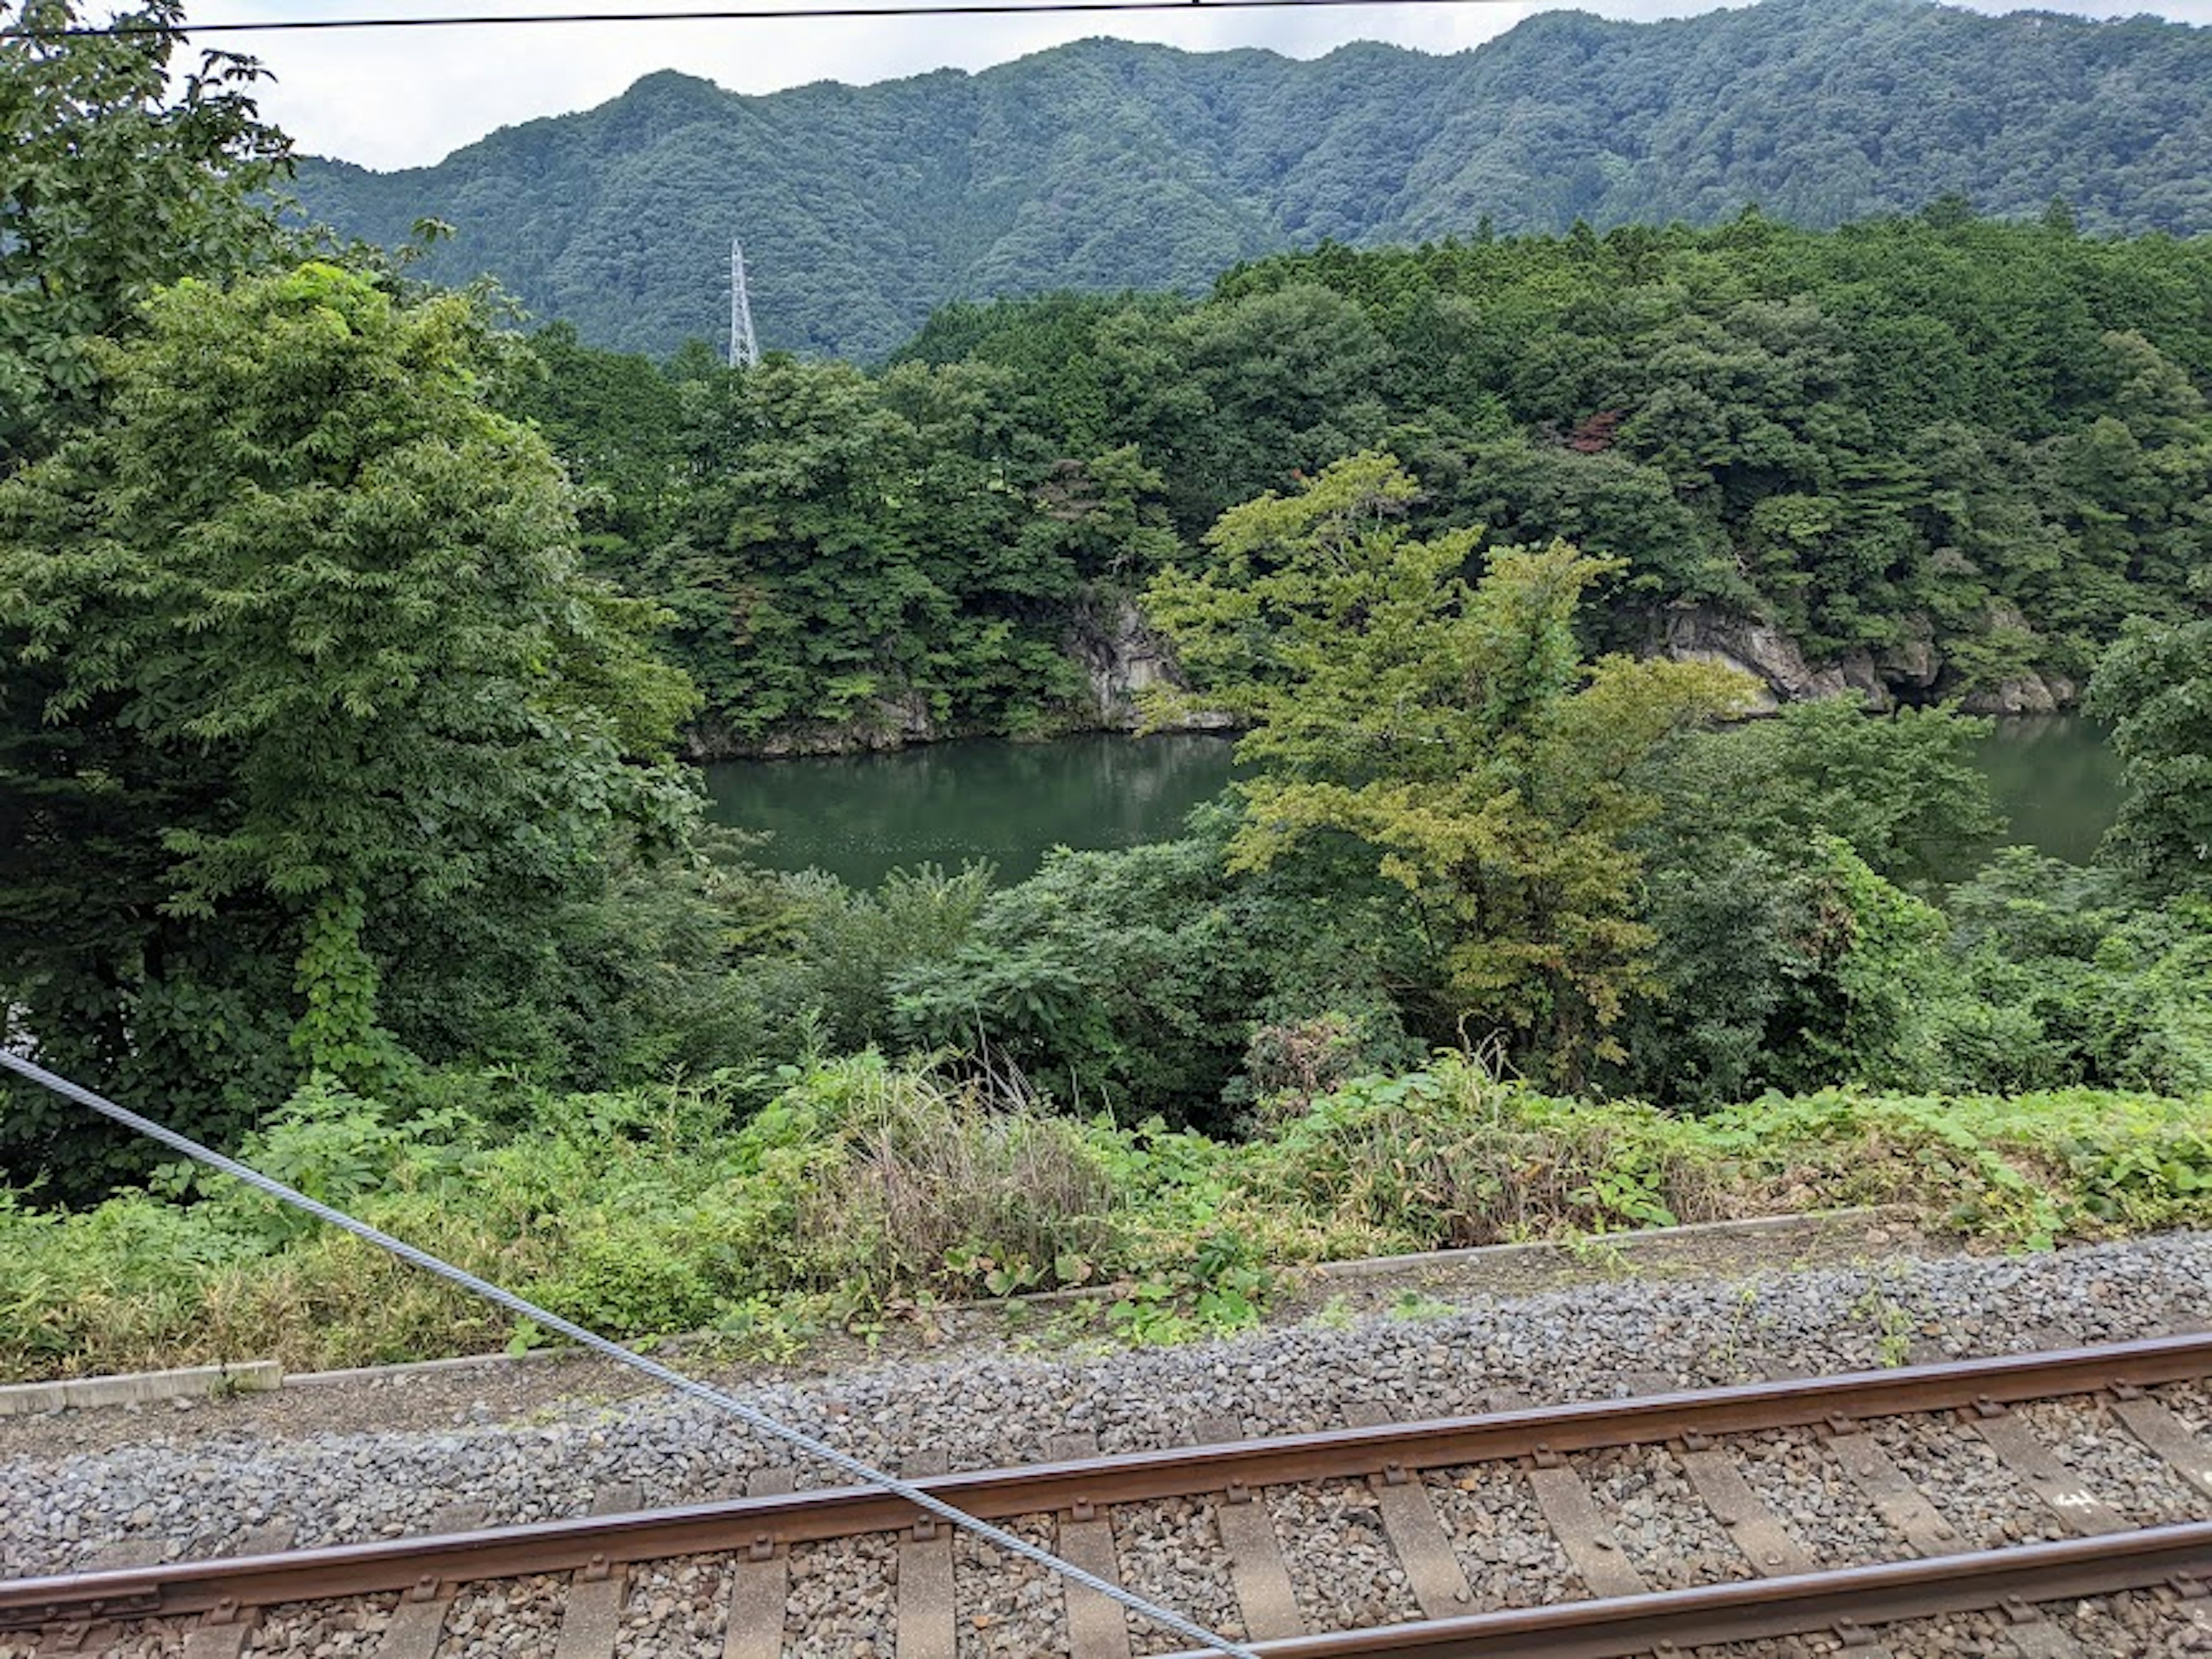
860 815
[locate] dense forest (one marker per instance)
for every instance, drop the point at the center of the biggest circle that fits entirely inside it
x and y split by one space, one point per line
862 209
1921 459
352 643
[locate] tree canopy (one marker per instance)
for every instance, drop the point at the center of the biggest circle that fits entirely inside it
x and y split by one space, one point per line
1914 459
1450 727
117 181
308 685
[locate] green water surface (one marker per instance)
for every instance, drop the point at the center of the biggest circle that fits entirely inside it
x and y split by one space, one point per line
1007 804
859 816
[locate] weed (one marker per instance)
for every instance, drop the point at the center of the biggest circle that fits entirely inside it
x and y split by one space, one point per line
1417 1304
1337 1314
865 1194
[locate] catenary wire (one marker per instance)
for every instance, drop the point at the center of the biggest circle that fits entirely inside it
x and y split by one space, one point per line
1167 1617
717 15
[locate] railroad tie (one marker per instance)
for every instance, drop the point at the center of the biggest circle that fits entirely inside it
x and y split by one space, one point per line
1765 1542
224 1636
1903 1508
99 1636
2166 1435
1573 1515
1256 1568
1097 1628
1761 1536
760 1586
2196 1607
2035 1636
419 1617
591 1622
1409 1516
2061 1490
925 1577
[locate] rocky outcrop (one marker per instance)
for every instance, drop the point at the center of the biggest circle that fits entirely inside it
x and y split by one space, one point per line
1706 634
1122 657
887 723
1913 671
2030 694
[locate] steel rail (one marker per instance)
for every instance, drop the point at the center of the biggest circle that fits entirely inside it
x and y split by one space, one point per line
740 1524
1763 1608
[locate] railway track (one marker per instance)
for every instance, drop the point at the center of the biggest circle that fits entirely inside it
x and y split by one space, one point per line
1819 1512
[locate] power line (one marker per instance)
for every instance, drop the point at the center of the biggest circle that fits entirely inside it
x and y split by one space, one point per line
921 1497
719 15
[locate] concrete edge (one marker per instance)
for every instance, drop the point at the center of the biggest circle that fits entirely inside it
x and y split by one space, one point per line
1630 1242
141 1388
266 1374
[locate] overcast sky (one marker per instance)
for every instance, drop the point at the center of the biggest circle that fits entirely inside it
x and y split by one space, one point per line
405 97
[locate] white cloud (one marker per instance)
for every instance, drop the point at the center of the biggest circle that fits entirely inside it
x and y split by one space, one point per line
406 97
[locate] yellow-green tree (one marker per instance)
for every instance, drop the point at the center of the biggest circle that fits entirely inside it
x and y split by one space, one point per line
1450 727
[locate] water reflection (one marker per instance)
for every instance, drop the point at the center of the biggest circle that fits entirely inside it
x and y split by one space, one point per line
2056 777
859 816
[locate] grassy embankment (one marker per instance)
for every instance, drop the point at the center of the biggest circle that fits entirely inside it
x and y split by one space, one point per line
865 1191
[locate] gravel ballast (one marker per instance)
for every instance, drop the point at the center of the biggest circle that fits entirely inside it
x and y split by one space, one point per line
1496 1531
1799 1479
186 1484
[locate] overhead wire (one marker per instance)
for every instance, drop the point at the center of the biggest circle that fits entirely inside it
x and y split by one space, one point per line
706 14
752 1416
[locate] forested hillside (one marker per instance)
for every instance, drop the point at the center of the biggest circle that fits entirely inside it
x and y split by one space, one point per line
1920 459
1108 165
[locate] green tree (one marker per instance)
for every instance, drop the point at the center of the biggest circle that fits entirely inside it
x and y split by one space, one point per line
116 182
1452 729
1780 874
1135 979
1905 790
317 659
2155 686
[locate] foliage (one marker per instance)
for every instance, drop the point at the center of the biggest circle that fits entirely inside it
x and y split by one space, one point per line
122 175
2079 985
864 1192
862 208
854 557
1905 790
850 952
1920 459
1788 955
1450 729
313 684
1132 980
2155 685
1933 456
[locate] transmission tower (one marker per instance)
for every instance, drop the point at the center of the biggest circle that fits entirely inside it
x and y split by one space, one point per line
744 349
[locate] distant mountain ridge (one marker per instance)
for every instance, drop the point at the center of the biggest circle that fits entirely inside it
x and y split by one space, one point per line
1107 164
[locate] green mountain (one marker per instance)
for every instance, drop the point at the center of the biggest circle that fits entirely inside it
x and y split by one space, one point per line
1106 164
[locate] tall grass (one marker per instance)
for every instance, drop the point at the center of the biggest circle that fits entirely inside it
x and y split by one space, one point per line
862 1182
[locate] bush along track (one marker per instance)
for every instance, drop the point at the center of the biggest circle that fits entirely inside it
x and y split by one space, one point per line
867 1192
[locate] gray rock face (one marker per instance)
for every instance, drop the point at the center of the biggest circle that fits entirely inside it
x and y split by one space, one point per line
2030 694
1912 671
1121 659
1707 634
890 722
